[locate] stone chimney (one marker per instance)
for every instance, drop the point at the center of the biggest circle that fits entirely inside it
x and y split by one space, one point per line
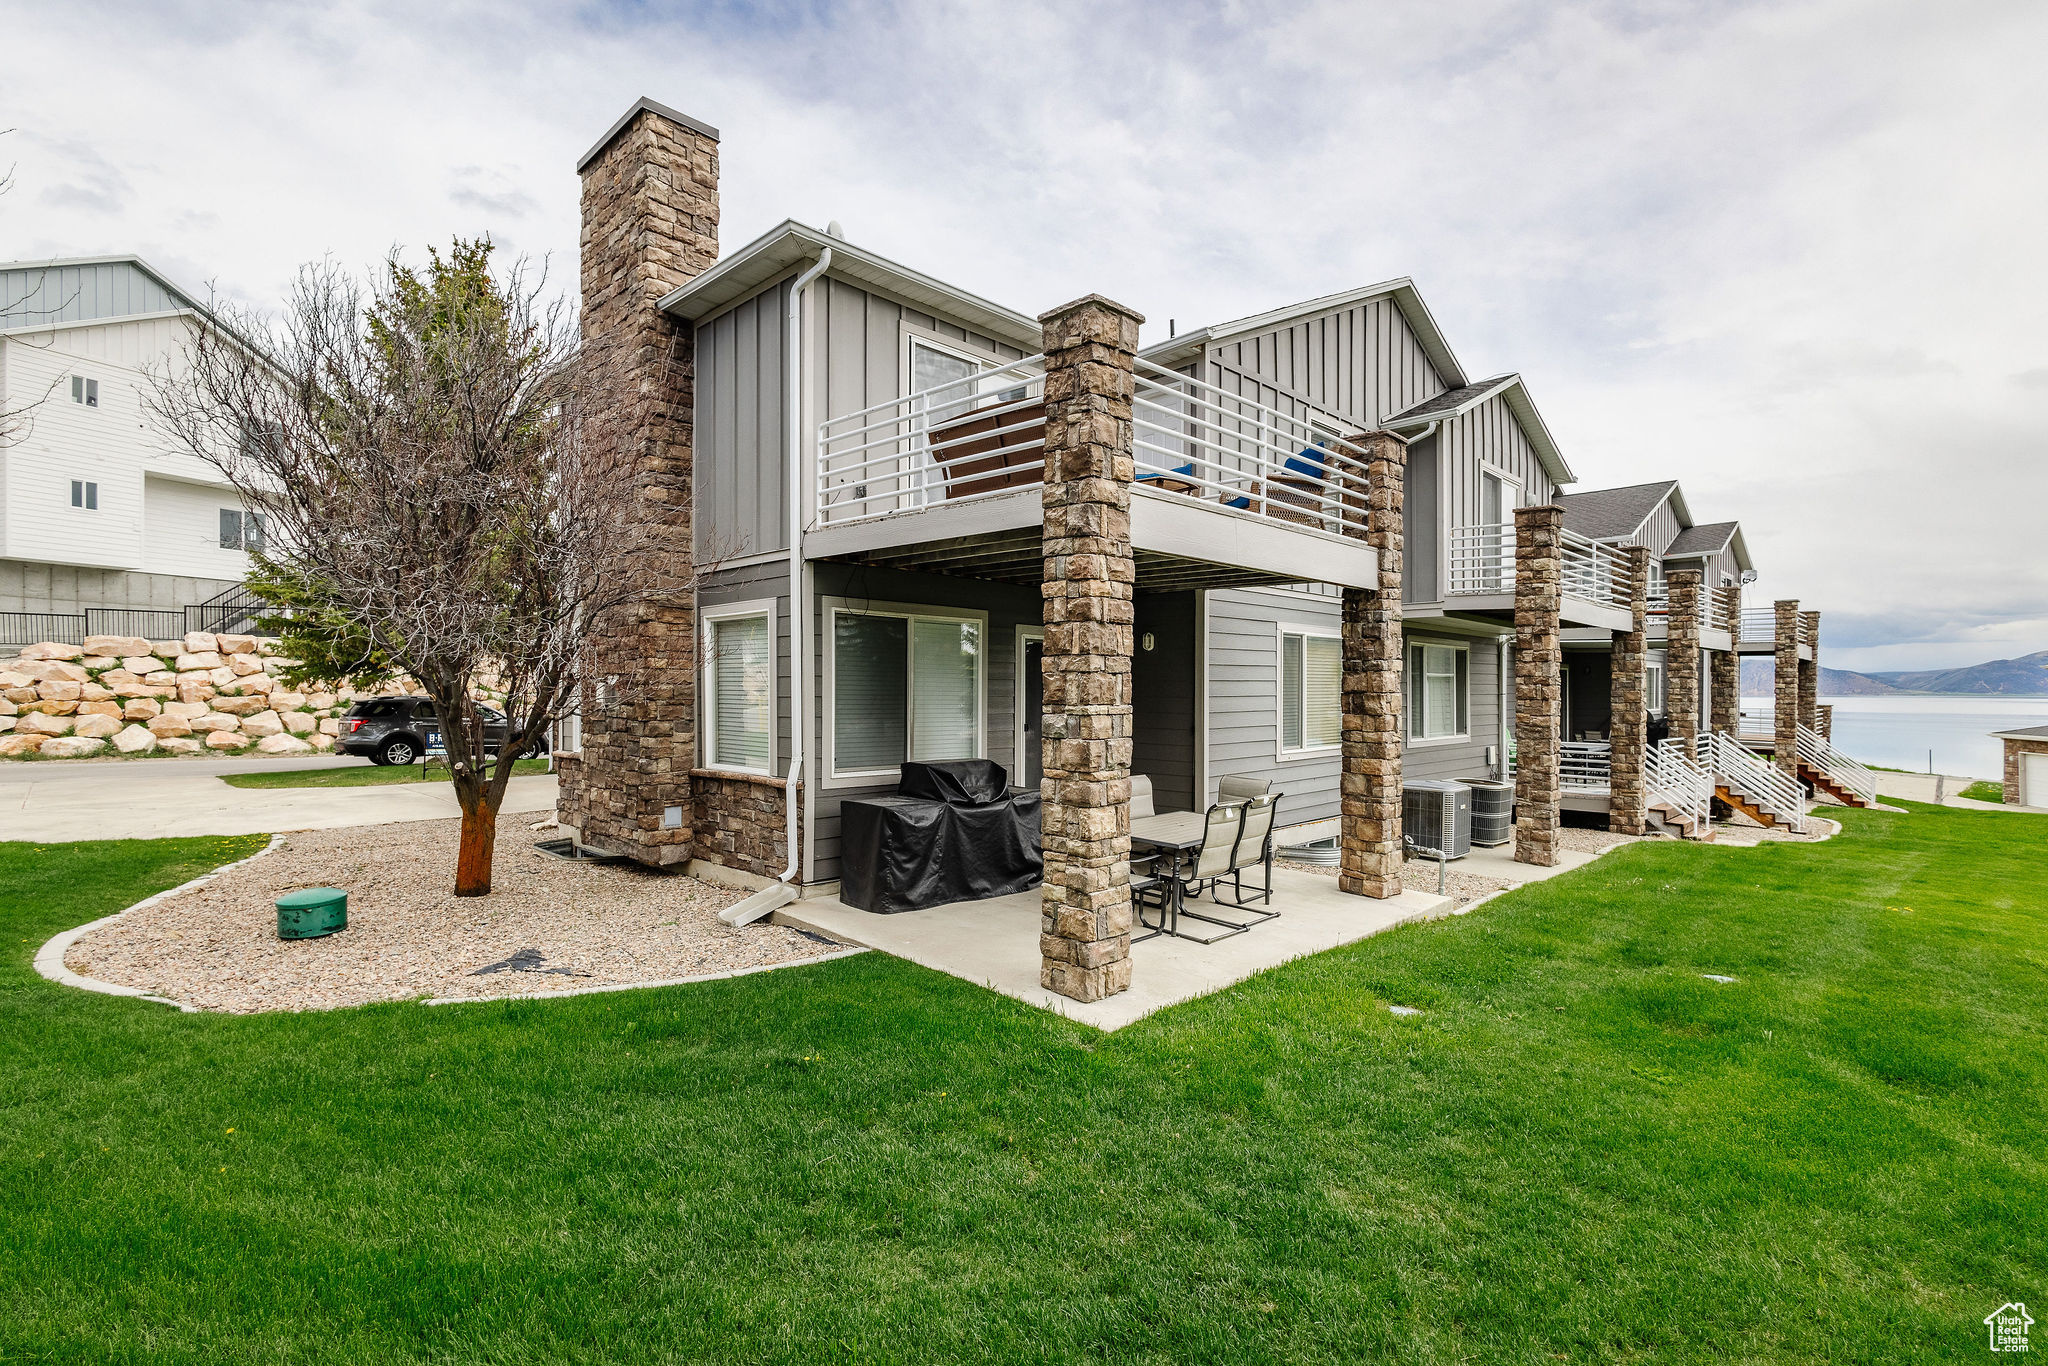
650 224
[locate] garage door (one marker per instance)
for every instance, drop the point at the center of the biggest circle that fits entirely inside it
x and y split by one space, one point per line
2034 780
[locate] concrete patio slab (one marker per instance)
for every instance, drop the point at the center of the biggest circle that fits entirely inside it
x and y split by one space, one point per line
994 943
1499 862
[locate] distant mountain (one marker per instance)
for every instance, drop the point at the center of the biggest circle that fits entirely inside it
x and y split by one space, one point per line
2026 676
1757 673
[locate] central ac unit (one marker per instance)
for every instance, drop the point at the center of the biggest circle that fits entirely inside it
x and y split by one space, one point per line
1493 811
1436 813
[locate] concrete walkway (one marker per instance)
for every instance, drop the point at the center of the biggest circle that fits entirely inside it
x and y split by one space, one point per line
89 799
994 943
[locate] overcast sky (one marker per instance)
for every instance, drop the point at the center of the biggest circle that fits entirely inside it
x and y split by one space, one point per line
1789 253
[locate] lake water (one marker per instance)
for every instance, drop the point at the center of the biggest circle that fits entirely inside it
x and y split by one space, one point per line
1897 732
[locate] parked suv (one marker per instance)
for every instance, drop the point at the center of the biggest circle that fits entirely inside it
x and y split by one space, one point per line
400 730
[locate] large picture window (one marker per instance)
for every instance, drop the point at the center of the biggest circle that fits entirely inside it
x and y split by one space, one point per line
1311 692
741 678
905 685
1438 694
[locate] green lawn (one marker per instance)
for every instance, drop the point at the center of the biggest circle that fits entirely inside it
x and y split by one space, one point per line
1984 792
369 775
1580 1151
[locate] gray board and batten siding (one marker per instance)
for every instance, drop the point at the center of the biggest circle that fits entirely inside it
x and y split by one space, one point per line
38 295
854 339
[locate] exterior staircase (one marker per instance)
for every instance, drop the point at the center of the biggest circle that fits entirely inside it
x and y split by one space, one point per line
1829 770
1757 788
1677 791
226 611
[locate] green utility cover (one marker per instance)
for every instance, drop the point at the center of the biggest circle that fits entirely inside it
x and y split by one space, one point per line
312 912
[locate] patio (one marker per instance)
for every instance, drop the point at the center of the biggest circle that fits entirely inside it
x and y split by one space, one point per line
994 943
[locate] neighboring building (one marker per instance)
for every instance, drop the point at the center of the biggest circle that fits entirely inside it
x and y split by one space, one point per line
1304 546
2026 765
97 514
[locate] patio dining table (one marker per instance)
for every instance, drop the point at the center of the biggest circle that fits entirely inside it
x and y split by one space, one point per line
1172 835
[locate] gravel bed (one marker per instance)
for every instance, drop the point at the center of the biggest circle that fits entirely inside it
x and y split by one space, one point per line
548 925
1585 840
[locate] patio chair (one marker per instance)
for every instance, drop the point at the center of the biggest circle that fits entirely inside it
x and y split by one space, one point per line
1141 797
1254 849
1220 831
1148 889
1237 789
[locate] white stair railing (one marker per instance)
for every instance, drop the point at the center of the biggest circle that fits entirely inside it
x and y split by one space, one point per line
1763 784
1845 772
1679 783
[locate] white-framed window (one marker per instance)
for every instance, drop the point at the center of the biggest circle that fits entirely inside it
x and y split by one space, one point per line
1311 691
85 391
1653 684
1658 591
85 494
739 686
240 530
903 682
1500 493
1439 691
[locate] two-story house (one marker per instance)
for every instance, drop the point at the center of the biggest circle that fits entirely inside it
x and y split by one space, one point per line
1303 548
98 515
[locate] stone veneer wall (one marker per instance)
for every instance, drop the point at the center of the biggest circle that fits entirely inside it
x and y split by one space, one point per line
1628 706
1785 687
1090 575
1809 672
1369 824
2013 750
740 821
650 224
1725 670
1682 661
1539 662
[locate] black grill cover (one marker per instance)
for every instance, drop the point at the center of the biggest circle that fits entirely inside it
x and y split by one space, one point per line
909 852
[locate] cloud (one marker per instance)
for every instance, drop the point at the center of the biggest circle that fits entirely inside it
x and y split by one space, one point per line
1782 251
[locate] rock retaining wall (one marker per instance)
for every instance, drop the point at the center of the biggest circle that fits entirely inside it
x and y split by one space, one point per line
127 695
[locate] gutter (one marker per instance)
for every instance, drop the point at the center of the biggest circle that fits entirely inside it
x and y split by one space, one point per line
783 890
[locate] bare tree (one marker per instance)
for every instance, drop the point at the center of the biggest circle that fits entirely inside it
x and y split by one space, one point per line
448 486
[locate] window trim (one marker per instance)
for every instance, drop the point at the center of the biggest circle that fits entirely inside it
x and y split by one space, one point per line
1657 700
1308 631
707 726
1410 670
85 495
831 607
85 390
1510 482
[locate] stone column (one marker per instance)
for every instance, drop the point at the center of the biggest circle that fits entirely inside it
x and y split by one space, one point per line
1369 831
1682 661
1809 671
650 223
1539 660
1827 722
1628 706
1085 933
1726 668
1785 688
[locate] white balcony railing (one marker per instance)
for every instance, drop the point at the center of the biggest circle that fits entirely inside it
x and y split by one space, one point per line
1678 782
984 434
1204 442
966 438
1483 561
1585 765
1843 771
1763 784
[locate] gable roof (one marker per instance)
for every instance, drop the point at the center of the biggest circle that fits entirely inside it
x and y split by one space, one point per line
1401 291
1510 389
1710 539
790 244
1615 514
63 290
2024 733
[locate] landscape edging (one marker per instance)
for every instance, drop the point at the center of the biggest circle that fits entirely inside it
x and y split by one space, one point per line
49 961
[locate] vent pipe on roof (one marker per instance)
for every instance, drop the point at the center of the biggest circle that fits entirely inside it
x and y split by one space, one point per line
833 229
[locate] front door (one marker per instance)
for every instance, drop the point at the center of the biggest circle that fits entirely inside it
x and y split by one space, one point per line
1031 711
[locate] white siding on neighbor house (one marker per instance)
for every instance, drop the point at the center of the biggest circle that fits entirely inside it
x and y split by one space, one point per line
181 530
854 342
114 446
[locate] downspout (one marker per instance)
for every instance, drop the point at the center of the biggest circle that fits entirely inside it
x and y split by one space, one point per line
783 890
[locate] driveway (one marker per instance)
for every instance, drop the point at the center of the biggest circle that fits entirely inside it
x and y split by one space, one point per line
89 799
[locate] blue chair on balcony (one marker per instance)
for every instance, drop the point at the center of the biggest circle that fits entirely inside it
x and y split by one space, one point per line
1297 493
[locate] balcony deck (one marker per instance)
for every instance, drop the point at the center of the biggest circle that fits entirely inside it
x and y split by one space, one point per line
1229 492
